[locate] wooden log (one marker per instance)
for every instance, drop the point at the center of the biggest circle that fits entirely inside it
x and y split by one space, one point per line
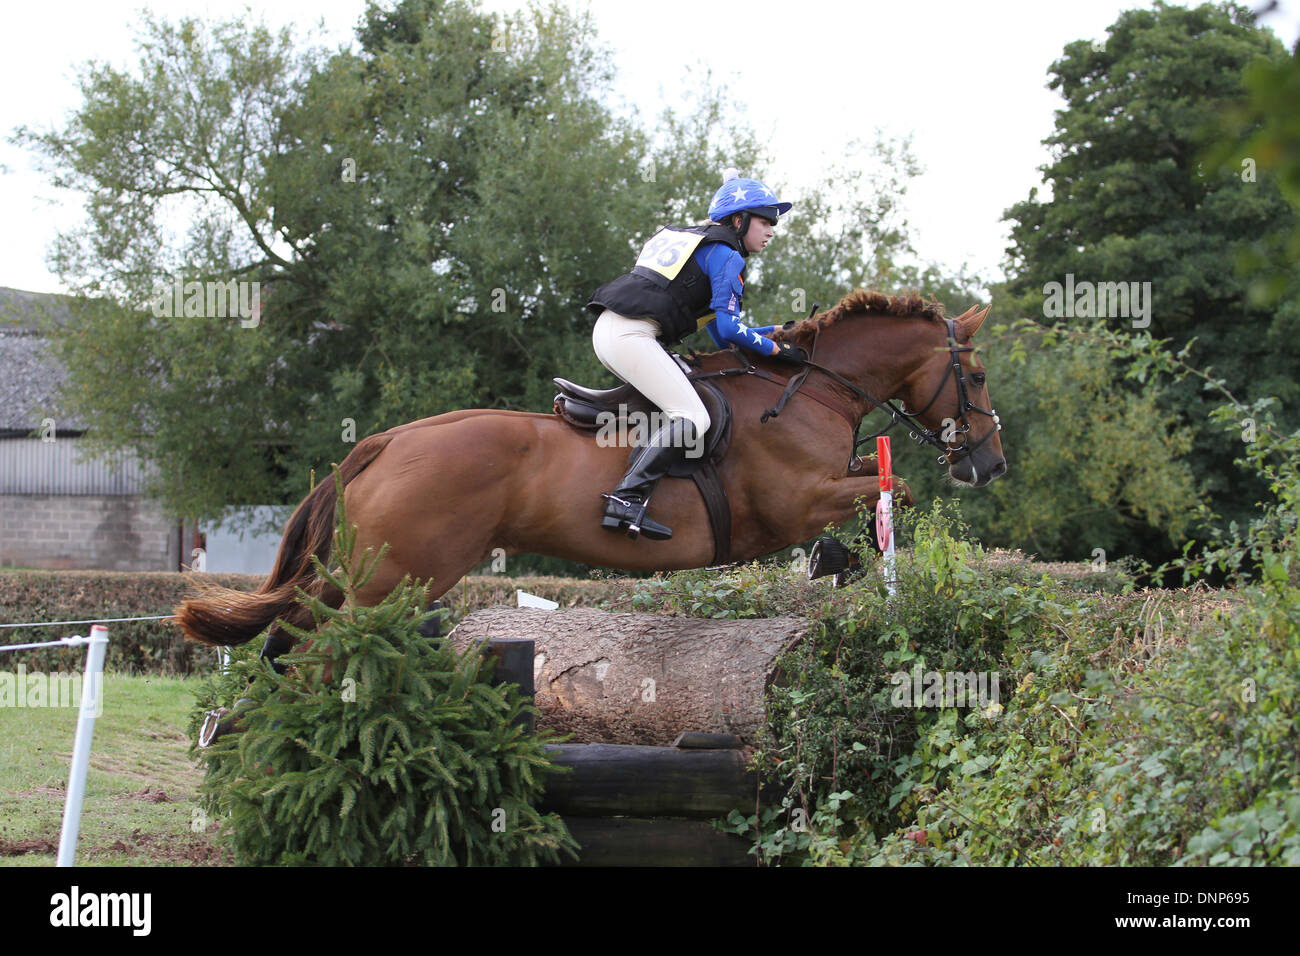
626 841
690 740
643 678
623 780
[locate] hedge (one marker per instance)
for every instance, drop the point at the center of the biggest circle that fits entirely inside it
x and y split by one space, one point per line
157 646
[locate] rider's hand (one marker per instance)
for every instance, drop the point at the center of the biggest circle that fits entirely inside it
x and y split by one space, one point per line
789 353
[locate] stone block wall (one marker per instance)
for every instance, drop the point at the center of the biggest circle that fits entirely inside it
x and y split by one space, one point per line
86 532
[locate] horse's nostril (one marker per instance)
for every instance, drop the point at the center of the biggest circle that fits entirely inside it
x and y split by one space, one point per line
999 469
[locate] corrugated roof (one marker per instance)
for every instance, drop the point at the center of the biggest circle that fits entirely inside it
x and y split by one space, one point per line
30 466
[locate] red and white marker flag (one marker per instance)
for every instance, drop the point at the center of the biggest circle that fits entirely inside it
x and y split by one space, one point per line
884 510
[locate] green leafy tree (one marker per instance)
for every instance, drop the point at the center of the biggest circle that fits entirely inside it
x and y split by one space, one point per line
1132 201
184 140
425 215
1263 133
1097 462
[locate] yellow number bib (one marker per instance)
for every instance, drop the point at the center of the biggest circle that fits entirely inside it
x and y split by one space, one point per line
667 251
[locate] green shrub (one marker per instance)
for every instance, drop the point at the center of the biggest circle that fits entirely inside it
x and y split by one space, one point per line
1202 767
857 758
377 747
152 647
1128 732
1131 727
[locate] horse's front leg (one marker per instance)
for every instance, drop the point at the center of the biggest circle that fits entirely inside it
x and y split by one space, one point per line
837 498
868 467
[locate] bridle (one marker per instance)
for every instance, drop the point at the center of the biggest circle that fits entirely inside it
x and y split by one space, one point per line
899 415
964 405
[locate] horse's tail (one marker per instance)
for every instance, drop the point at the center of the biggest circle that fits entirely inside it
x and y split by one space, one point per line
224 616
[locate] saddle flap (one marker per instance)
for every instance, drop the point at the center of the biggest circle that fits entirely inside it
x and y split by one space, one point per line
718 438
589 409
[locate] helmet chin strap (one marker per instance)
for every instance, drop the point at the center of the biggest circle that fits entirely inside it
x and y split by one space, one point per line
744 228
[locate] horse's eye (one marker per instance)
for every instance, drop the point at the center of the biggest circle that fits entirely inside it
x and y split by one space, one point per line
978 379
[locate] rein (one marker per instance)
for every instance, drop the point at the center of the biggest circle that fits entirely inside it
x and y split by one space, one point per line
938 438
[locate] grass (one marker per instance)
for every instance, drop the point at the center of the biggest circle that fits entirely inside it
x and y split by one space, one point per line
140 807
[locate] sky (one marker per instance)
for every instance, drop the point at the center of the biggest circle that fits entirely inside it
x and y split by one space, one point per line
966 81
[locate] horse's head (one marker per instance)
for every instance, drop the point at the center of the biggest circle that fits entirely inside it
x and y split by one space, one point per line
905 348
948 394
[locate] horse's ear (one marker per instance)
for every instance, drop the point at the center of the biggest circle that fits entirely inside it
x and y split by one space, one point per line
970 320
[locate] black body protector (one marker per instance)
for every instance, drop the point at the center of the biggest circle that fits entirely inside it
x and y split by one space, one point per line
667 284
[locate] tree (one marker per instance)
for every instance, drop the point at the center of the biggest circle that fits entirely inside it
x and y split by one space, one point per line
184 141
1132 201
845 231
1263 132
425 217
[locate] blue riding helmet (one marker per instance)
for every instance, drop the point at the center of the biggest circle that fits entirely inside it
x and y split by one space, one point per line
746 195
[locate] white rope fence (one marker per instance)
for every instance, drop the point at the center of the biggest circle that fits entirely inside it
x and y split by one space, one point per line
92 701
94 620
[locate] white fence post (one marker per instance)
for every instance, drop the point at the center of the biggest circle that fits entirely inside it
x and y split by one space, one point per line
92 702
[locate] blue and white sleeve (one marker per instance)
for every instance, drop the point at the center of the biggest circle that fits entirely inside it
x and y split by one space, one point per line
723 267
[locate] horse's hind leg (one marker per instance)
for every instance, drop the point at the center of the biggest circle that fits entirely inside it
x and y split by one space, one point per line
441 561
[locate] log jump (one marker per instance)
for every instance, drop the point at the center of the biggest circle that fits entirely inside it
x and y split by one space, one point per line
632 677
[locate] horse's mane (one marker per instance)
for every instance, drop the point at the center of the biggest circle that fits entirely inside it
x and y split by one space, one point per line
864 302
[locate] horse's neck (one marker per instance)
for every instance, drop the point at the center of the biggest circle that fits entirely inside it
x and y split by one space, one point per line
876 353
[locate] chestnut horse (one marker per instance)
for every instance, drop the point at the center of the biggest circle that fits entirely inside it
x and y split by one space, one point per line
444 492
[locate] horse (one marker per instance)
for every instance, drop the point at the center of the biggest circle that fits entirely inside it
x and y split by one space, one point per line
443 493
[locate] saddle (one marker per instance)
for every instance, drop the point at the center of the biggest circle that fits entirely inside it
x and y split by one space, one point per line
591 410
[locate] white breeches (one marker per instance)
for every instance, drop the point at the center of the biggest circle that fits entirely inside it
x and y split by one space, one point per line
630 349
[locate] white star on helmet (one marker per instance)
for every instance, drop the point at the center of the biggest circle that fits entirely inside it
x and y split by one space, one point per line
739 193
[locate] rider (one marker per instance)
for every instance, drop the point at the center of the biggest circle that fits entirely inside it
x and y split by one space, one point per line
685 278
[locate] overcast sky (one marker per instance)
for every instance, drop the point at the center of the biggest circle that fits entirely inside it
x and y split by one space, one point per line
967 80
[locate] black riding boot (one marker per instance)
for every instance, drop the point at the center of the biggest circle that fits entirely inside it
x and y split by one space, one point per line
626 506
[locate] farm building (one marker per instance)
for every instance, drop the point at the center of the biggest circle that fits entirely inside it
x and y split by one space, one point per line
59 508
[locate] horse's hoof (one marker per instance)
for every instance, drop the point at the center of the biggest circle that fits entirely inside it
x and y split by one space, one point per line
212 727
828 556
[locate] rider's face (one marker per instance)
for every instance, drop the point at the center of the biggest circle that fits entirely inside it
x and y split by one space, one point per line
759 233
